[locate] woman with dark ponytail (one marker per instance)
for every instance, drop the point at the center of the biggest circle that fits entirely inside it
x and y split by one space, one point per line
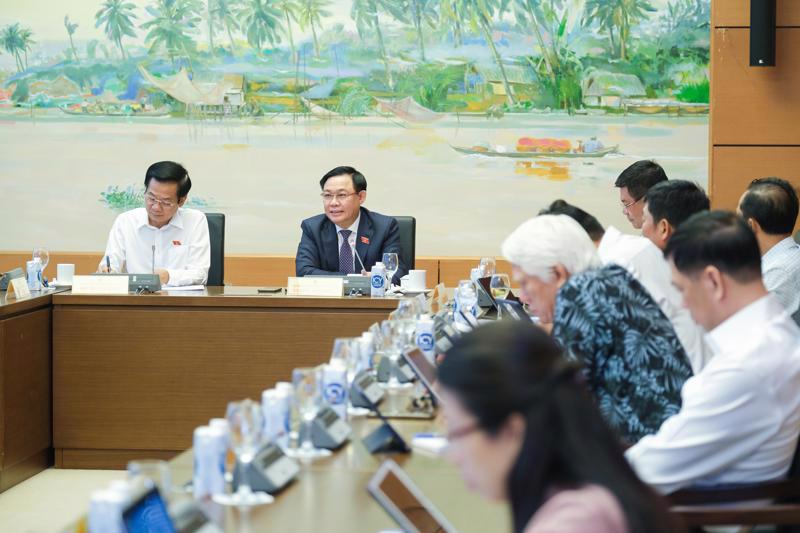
523 428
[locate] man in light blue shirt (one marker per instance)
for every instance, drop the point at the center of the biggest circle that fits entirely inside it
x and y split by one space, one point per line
770 207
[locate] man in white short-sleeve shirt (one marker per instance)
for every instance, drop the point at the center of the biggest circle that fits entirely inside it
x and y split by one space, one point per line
740 415
162 237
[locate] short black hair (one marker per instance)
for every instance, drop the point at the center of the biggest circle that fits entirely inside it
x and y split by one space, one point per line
169 171
587 221
772 202
718 238
640 176
676 201
359 181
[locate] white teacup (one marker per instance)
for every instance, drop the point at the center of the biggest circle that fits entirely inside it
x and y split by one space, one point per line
415 280
65 273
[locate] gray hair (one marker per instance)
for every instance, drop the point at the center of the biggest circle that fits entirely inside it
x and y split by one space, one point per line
543 242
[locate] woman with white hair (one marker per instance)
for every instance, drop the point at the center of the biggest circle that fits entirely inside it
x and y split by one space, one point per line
634 363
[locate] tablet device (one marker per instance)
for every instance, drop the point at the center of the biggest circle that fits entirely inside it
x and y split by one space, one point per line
513 309
424 369
148 514
404 502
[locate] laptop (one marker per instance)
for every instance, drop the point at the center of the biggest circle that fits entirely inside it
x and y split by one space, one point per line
404 501
424 369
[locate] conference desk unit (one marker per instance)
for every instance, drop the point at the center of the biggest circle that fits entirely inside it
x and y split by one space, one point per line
25 387
133 375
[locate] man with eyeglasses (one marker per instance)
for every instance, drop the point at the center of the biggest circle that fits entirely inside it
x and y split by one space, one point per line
346 238
633 183
162 237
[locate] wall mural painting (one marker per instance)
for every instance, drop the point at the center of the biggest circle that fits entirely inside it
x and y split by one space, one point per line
469 114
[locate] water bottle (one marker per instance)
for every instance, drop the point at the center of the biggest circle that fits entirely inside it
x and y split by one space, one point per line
377 280
475 274
425 339
210 451
274 417
367 350
34 273
466 302
291 419
334 387
105 511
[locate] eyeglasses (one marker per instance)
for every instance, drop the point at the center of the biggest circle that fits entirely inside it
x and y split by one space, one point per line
459 433
627 206
152 200
340 197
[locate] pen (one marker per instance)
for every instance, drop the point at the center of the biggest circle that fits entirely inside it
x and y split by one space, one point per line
108 264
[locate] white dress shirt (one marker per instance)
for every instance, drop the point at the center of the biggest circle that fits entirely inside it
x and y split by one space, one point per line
780 268
740 416
181 246
639 256
357 266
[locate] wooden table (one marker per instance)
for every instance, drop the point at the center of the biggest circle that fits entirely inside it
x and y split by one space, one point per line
25 393
330 494
134 375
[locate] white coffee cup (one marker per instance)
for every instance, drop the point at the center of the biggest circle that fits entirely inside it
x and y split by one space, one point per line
64 273
416 280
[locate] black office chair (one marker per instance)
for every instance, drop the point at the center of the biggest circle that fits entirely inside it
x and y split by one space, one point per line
216 236
408 239
796 316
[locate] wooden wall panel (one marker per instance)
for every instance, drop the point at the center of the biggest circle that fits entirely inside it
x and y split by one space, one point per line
736 166
755 105
736 13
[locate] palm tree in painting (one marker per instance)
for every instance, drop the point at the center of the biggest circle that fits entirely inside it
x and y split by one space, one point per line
261 23
26 42
172 26
481 15
452 13
423 12
617 16
223 13
117 17
311 13
71 27
289 8
366 15
12 43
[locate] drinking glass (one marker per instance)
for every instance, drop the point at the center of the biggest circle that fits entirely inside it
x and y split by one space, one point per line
308 398
500 286
395 341
44 257
391 263
246 421
488 267
154 471
348 351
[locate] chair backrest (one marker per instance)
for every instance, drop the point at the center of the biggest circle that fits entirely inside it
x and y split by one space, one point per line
216 236
408 239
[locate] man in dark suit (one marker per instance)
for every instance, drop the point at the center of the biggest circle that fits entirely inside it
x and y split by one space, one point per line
347 238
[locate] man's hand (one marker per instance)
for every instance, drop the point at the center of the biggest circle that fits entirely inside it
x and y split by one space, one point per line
163 275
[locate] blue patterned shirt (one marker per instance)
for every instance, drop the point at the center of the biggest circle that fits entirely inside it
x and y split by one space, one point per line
634 363
780 268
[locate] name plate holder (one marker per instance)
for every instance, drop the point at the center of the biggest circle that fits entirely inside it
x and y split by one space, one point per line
315 286
114 285
17 285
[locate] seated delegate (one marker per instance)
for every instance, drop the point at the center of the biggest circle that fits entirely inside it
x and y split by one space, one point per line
163 237
522 428
634 363
347 238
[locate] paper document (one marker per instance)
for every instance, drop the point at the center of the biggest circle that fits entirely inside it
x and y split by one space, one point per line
170 288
